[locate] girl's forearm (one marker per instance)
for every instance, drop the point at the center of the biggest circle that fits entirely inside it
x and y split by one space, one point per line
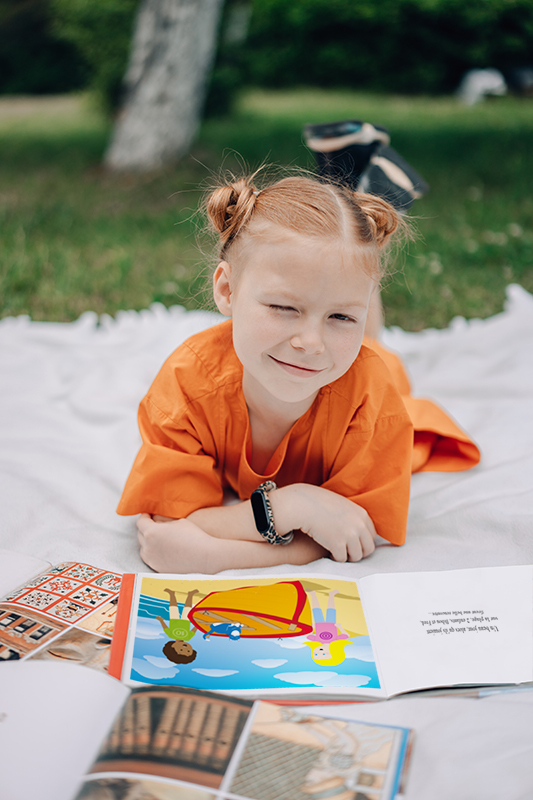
181 546
228 554
228 522
342 527
237 521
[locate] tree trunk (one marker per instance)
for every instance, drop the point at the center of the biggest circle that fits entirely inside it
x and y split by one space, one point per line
172 52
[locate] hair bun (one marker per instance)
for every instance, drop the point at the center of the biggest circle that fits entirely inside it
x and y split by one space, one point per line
382 217
230 207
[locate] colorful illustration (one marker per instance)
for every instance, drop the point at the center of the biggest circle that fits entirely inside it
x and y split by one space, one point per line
255 635
33 616
262 612
69 591
230 629
179 629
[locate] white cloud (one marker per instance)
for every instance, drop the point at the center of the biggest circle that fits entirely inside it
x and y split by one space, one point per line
363 651
148 670
269 663
158 661
216 673
323 679
149 629
305 678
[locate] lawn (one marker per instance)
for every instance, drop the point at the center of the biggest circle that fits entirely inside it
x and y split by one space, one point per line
75 238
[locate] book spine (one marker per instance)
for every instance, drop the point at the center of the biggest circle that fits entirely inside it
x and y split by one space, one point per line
120 635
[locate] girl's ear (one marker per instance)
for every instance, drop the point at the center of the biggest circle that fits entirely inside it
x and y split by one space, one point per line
222 291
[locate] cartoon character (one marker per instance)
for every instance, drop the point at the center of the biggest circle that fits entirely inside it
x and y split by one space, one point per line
328 639
230 629
179 629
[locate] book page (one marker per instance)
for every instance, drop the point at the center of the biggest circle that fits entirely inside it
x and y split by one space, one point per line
16 568
168 742
471 626
165 743
53 718
258 637
64 613
317 755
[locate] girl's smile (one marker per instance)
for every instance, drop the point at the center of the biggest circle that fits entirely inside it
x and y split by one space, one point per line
296 369
299 307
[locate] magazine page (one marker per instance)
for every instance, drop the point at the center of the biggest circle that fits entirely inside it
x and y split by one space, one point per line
65 613
258 637
53 718
471 626
169 742
15 568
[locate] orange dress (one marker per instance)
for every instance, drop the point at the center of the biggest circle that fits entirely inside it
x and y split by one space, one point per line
439 443
356 439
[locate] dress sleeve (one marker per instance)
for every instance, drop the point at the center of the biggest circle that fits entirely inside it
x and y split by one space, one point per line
373 468
175 472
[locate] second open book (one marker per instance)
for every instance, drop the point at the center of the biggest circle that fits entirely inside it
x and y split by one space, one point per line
317 637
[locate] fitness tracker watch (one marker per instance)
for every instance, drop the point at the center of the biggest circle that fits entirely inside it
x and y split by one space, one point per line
263 516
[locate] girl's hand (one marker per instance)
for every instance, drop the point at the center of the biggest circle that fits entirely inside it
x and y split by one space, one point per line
338 524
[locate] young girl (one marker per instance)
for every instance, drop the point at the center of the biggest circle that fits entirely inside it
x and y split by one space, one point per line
284 404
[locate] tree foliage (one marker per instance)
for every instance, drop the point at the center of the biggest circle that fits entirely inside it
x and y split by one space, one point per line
32 60
398 45
100 31
391 45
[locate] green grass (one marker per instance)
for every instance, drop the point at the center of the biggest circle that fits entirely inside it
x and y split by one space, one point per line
74 238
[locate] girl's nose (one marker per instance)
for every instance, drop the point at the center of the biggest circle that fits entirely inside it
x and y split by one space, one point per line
309 339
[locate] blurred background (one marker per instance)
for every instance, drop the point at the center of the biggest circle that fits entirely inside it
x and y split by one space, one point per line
78 233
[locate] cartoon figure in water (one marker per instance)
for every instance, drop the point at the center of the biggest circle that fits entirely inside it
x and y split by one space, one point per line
230 629
328 639
179 629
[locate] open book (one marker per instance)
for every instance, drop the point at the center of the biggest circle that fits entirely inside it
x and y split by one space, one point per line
319 638
163 742
62 612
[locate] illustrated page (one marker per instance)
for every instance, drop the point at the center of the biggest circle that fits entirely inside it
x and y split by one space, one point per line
252 636
470 626
169 742
53 718
66 613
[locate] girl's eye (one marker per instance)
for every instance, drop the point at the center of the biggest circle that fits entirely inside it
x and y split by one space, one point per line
281 308
343 318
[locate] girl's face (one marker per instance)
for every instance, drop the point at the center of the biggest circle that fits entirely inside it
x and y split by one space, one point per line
299 308
322 652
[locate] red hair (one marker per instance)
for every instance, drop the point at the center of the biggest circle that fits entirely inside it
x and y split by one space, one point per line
304 206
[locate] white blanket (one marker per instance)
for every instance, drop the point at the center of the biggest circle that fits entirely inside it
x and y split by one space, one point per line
69 396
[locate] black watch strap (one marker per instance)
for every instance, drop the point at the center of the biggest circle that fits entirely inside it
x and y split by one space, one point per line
263 516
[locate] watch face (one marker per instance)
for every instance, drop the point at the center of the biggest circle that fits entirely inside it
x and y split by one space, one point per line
260 513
